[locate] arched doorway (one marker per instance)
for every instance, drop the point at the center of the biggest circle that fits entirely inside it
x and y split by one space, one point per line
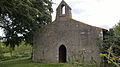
62 54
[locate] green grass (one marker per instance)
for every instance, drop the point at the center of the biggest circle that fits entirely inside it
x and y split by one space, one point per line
29 63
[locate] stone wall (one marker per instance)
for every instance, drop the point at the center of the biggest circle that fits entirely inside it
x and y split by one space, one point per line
76 36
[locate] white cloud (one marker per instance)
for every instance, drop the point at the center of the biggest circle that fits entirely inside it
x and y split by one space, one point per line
94 12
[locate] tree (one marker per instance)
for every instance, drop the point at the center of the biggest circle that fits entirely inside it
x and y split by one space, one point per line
117 29
21 18
110 48
111 40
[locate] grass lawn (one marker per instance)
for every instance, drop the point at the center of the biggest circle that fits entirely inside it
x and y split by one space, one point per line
29 63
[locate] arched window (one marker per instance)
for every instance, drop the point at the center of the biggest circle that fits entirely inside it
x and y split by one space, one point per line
63 9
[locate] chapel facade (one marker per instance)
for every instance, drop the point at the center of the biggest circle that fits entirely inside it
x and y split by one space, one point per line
66 39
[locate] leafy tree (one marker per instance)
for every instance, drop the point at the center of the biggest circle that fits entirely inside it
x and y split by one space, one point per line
110 48
21 18
110 39
117 29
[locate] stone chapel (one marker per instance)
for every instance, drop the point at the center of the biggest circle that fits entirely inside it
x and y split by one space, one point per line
66 39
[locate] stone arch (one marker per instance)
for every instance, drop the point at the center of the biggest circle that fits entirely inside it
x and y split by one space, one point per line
62 54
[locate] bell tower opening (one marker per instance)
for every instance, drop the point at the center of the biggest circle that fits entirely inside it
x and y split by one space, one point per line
63 9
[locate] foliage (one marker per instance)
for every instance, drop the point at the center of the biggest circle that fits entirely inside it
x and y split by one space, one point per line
3 49
111 60
110 39
117 29
22 50
78 58
110 47
6 53
21 18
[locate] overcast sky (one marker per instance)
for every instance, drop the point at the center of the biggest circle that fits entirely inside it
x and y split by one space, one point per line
101 13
